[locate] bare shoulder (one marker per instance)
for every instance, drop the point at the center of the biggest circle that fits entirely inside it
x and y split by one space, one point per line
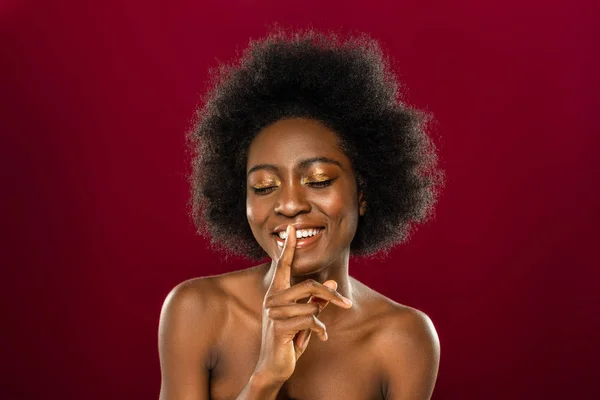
395 319
409 326
191 296
188 317
408 346
192 319
202 296
190 323
202 299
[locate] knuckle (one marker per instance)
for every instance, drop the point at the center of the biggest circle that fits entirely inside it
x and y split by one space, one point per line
269 301
309 319
271 313
311 283
278 327
332 291
283 261
327 291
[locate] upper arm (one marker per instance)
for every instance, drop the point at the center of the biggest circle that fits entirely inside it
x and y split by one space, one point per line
184 344
411 354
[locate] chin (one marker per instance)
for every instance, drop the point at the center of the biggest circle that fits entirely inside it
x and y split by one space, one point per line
306 265
309 270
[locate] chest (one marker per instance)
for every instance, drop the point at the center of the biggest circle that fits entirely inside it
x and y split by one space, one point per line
341 368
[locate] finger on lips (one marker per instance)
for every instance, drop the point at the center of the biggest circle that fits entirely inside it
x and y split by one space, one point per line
287 253
281 277
281 299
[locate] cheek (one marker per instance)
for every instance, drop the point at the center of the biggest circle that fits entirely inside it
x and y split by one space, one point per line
342 208
256 214
334 205
250 213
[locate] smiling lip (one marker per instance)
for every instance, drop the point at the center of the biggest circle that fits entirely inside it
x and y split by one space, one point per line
301 243
298 226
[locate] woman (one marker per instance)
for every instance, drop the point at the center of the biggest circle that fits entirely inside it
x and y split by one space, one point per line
304 154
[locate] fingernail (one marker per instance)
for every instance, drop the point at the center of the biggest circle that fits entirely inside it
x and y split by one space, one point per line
347 301
287 230
330 285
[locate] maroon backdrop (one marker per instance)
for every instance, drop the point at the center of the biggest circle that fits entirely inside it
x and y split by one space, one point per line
96 99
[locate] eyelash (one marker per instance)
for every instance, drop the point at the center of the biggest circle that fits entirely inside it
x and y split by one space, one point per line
268 190
321 183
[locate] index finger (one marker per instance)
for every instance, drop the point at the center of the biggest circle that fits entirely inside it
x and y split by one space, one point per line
281 277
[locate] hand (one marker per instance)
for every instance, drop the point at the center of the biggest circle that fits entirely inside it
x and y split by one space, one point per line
283 318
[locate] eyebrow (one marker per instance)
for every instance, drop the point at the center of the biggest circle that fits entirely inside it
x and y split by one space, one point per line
301 165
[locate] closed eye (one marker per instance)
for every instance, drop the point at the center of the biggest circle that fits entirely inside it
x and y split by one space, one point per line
265 190
320 184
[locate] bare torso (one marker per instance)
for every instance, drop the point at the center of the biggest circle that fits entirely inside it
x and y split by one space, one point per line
347 366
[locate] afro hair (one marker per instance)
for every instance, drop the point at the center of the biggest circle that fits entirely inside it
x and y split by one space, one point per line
345 84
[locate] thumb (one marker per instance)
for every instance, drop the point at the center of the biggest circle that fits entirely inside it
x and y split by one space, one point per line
331 284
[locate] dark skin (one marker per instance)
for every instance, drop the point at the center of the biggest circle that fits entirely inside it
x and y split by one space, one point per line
240 335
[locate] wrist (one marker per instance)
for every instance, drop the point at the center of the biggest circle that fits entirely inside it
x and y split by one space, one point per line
265 382
260 387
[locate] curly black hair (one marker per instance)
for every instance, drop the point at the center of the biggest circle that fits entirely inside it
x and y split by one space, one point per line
345 84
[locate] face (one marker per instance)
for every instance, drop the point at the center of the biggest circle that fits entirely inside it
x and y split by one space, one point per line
296 174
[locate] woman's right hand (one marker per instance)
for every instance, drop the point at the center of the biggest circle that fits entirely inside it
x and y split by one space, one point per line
287 325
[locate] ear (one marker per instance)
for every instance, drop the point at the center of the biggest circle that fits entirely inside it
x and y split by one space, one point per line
362 204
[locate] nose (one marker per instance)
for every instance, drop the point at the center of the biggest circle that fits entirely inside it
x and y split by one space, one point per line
292 200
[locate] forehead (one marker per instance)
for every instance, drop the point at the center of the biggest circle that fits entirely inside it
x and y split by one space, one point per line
288 140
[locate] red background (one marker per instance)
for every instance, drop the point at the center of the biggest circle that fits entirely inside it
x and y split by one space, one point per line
96 99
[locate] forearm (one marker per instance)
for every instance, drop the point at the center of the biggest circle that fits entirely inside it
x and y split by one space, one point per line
260 388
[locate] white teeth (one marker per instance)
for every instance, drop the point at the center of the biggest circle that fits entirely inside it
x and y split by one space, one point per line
300 233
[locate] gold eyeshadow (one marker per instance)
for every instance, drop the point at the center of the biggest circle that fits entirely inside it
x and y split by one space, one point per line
315 178
266 184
